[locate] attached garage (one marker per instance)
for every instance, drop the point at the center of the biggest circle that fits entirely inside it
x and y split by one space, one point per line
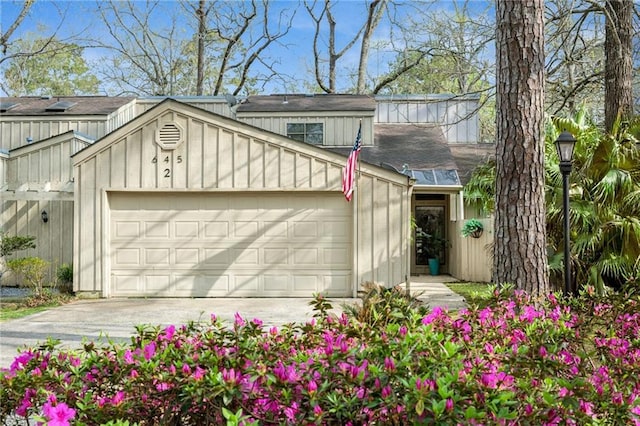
229 244
182 202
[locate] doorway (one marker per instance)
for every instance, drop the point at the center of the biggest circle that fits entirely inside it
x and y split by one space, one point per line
429 235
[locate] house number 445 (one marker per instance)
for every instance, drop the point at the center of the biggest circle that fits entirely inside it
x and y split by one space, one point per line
166 160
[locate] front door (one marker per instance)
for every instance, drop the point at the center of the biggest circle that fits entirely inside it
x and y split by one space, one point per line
429 235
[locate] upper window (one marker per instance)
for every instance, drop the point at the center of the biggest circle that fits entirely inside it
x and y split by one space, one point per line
306 132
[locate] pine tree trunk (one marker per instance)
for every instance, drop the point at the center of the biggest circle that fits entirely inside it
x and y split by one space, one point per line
618 69
520 255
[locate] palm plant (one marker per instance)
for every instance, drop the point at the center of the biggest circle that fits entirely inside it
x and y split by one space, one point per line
604 203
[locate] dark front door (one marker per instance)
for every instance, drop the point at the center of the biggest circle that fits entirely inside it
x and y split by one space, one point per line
429 233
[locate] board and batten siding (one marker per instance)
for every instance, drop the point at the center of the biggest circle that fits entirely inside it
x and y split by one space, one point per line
223 155
471 257
4 163
458 116
339 129
15 132
54 239
44 165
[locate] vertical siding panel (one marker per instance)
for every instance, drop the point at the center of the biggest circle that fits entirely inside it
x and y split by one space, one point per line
257 164
148 167
87 233
366 229
319 174
192 157
303 171
271 167
210 158
334 177
287 170
117 175
225 159
133 163
241 160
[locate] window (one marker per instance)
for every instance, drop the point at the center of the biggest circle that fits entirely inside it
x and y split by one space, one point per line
306 132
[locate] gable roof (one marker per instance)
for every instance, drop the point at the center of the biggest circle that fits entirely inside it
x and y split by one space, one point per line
172 105
79 105
421 147
307 103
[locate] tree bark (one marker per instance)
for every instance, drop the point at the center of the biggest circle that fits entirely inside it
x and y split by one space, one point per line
520 255
202 33
618 99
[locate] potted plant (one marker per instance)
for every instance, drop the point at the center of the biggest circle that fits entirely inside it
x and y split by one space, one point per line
472 228
435 249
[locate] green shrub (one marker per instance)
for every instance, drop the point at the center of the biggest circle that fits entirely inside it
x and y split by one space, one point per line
11 244
514 362
64 274
33 272
381 306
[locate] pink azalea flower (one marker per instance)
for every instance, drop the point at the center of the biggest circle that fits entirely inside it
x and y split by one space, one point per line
58 415
21 361
449 405
149 350
169 332
386 391
239 321
389 364
199 373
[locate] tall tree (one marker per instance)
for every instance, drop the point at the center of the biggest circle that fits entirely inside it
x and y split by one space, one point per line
519 255
59 69
618 66
326 77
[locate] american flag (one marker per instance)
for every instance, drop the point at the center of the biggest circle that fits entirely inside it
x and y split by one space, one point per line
349 171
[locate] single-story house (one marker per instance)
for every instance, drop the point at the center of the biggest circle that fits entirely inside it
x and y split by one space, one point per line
220 197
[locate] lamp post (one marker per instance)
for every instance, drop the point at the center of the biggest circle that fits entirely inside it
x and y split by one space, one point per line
564 145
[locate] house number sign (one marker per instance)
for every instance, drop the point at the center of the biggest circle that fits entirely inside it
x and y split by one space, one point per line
166 160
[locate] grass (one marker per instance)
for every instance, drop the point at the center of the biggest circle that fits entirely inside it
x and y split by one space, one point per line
471 291
16 308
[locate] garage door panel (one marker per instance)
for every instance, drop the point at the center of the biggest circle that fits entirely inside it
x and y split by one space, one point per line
187 256
127 229
126 284
157 284
153 229
216 256
216 230
127 256
245 284
184 229
230 245
245 229
156 256
273 229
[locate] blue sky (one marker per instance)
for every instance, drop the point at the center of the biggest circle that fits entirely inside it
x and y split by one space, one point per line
79 18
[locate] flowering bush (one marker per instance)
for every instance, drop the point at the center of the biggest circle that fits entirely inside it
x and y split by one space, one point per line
512 362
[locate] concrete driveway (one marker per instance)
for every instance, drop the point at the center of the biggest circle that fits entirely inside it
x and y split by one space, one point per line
117 318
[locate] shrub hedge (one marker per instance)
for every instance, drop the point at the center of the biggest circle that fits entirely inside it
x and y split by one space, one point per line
515 361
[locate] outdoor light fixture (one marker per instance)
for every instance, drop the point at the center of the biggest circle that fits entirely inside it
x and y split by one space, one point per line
565 144
45 216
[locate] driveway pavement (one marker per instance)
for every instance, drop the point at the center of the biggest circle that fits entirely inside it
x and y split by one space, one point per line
117 318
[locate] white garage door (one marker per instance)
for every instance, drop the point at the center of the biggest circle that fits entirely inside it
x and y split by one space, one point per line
228 244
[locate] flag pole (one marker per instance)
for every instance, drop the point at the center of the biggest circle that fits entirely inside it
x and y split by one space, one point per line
356 283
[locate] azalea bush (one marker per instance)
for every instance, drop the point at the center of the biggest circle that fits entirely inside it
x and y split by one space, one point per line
516 361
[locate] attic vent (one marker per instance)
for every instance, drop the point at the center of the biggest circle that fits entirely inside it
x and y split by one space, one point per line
169 136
